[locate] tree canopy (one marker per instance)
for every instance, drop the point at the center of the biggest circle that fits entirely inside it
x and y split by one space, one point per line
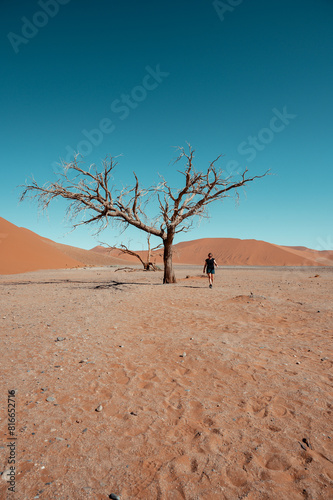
92 194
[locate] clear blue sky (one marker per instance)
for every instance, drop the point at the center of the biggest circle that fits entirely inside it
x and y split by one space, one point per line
250 79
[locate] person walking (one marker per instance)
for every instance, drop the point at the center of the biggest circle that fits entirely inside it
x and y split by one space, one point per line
209 267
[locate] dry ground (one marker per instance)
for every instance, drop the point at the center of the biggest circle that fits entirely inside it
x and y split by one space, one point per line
206 394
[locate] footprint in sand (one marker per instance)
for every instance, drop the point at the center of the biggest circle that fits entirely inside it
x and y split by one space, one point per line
257 408
149 375
194 465
237 476
146 385
262 407
119 376
246 372
278 411
277 462
326 463
181 465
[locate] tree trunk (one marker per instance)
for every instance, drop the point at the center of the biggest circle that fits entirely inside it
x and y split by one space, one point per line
149 251
169 275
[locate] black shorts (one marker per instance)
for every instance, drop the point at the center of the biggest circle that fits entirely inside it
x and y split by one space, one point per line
210 270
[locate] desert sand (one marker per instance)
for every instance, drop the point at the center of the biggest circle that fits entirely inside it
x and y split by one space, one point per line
204 394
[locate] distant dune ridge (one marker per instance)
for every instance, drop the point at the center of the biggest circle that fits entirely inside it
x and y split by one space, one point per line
22 250
236 252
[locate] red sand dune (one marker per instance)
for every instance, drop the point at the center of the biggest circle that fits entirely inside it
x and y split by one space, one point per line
22 250
323 256
236 252
87 257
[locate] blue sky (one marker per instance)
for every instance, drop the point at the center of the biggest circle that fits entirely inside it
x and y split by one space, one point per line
250 79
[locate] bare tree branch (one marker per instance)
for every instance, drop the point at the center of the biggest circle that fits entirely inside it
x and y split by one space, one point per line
91 194
147 264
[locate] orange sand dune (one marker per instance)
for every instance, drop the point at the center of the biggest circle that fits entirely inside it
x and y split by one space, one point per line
22 250
324 257
236 252
88 257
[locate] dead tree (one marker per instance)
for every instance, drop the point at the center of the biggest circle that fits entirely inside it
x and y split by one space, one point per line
147 264
92 192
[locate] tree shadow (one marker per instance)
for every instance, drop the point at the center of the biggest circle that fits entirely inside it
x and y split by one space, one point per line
115 284
109 284
191 286
55 282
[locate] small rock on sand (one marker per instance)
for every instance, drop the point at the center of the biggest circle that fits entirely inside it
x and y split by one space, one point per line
6 477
